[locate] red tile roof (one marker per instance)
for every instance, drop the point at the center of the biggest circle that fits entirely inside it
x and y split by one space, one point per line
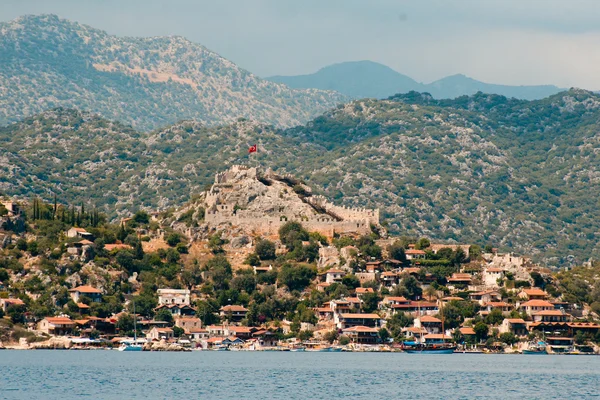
85 289
232 308
537 303
430 319
361 329
360 316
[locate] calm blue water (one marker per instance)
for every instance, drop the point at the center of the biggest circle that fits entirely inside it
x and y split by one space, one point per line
274 375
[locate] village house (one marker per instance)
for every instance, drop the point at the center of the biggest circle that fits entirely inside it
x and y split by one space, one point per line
5 303
173 296
321 286
187 323
362 334
467 332
80 233
460 279
414 333
551 316
373 266
95 295
413 254
516 326
339 306
533 306
58 326
334 275
533 294
361 291
349 320
491 276
486 296
429 323
324 313
159 333
13 208
499 305
389 278
234 313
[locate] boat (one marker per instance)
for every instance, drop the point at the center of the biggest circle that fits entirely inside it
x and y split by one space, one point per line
221 347
536 348
132 345
298 348
426 348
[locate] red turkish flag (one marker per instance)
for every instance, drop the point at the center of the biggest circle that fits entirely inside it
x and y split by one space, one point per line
252 149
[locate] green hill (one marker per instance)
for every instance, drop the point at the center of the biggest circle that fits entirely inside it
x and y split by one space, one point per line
47 62
521 175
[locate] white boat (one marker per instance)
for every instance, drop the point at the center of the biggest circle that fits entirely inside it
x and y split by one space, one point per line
132 345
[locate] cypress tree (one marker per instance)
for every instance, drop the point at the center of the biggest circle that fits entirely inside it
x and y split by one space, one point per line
55 207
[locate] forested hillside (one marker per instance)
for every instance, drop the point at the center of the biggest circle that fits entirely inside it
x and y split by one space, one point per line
47 62
519 174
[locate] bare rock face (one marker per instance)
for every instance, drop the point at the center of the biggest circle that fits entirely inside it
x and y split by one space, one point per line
239 242
328 256
259 202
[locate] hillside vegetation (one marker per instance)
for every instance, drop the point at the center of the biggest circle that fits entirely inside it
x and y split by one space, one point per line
47 62
518 174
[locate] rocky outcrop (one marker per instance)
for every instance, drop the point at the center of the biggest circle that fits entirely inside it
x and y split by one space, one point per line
260 202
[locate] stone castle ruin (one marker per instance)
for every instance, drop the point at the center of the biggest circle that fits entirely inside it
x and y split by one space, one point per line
261 202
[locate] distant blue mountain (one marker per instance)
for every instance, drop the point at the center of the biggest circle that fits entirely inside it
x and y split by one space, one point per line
362 79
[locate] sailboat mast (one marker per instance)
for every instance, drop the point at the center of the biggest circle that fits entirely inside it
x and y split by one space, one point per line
134 324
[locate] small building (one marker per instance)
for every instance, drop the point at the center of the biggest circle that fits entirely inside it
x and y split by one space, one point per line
498 305
5 303
491 276
233 313
361 290
80 233
460 279
516 326
350 319
159 333
533 294
429 323
415 333
188 323
92 293
58 326
389 278
486 296
533 306
413 254
551 316
261 270
334 275
173 296
362 334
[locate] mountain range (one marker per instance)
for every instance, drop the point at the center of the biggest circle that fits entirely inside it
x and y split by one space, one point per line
48 62
367 79
520 175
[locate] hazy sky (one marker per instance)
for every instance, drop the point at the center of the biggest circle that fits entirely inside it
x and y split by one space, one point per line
510 42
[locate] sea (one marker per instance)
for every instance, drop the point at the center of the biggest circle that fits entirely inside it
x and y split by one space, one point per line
109 374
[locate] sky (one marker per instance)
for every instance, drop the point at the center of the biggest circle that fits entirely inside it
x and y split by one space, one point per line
515 42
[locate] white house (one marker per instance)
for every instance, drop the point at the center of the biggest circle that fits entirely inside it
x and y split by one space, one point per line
491 276
334 275
79 232
159 333
173 296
